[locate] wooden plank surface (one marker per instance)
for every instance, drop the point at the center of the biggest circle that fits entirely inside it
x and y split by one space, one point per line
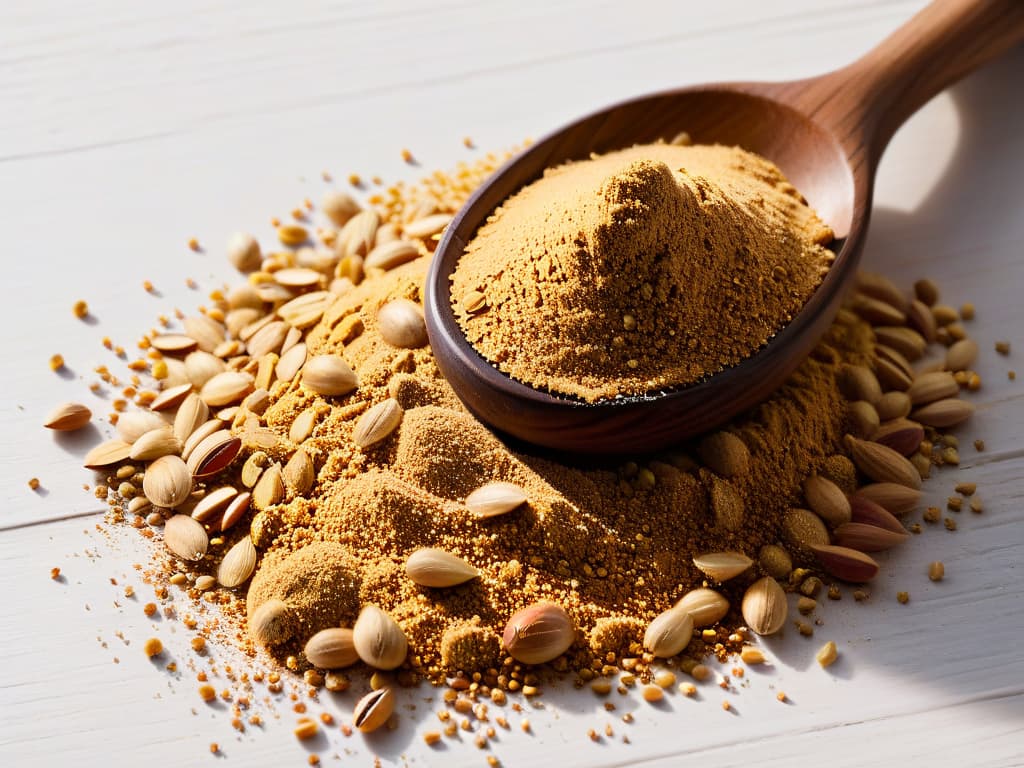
129 128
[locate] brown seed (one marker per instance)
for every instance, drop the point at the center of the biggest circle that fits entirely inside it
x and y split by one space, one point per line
863 510
932 386
945 413
802 529
377 423
171 398
961 355
936 570
894 497
329 375
775 561
921 319
926 291
374 709
167 482
214 453
906 341
331 648
868 538
891 376
207 333
401 324
724 454
539 633
826 500
68 417
107 453
877 312
882 464
846 564
902 435
862 418
881 288
858 382
235 510
764 606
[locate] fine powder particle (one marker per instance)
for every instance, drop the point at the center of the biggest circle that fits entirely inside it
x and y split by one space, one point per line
613 544
638 271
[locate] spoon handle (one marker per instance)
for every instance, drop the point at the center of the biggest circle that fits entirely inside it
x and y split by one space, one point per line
865 102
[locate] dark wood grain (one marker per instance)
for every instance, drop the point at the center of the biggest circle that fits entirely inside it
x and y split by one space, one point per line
827 135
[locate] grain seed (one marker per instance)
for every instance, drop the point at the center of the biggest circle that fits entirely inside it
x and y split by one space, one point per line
378 639
331 648
539 633
167 482
238 564
764 606
68 417
431 567
185 537
377 423
495 498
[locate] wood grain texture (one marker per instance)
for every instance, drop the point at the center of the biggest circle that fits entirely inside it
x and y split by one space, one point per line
134 128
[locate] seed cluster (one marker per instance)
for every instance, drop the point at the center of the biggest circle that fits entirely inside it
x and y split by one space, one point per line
301 447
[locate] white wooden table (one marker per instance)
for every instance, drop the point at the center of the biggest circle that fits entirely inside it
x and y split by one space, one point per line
127 128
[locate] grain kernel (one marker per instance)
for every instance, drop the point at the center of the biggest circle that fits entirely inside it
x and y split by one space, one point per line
903 597
153 647
936 570
653 694
827 654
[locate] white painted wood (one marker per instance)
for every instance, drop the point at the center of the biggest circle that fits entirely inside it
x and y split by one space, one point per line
128 128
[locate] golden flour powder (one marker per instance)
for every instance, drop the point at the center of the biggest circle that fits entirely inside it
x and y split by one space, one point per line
640 270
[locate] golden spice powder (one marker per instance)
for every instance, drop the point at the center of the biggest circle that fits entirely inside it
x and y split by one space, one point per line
641 270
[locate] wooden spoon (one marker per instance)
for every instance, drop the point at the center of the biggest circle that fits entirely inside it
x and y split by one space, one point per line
826 133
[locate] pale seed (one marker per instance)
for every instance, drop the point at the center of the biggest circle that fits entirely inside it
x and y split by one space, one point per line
185 537
495 498
235 510
205 582
862 418
705 606
238 564
154 444
298 474
291 362
173 343
669 633
271 622
921 319
332 648
107 453
68 417
764 606
133 425
207 333
213 503
303 426
858 382
202 366
269 489
427 226
171 398
253 468
539 633
192 413
167 482
390 255
378 639
377 423
881 288
431 567
329 375
244 252
199 434
722 566
298 277
374 709
401 324
906 341
227 388
268 339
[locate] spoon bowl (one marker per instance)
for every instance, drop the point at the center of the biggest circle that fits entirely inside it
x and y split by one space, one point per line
826 134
